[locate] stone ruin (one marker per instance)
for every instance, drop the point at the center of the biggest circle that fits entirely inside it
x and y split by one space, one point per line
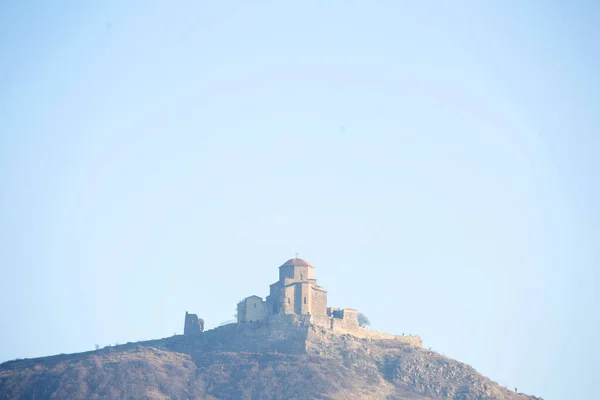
193 324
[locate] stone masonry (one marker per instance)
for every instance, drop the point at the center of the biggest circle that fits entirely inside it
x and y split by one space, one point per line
296 303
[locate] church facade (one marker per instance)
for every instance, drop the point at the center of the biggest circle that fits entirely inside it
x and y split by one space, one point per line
296 292
295 301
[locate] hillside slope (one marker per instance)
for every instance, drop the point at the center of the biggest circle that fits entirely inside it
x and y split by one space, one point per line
330 367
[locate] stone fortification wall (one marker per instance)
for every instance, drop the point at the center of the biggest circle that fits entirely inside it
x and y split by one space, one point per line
349 326
322 321
280 334
375 335
347 321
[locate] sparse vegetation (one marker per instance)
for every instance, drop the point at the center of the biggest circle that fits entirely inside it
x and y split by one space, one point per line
336 367
363 320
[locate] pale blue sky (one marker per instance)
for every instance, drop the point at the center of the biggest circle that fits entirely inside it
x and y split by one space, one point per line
440 158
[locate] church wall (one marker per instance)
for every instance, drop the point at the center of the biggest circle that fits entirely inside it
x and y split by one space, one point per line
306 297
302 298
296 273
256 310
289 301
302 273
274 289
286 271
274 301
241 311
270 305
297 292
297 299
319 302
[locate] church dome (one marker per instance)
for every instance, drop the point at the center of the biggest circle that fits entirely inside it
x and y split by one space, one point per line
297 262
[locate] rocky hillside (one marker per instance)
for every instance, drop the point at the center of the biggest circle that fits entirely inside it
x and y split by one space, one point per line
328 367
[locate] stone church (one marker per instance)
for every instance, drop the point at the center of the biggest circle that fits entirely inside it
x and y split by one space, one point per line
295 300
296 292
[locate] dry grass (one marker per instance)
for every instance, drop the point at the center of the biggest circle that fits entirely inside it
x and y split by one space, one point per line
333 368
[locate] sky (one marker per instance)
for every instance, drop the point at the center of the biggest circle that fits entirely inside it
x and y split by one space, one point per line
436 163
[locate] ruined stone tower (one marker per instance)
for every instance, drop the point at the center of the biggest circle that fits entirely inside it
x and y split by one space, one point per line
193 324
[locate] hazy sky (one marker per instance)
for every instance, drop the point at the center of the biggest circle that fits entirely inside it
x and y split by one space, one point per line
436 161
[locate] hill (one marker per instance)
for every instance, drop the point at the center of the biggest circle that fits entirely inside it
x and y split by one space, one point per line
252 362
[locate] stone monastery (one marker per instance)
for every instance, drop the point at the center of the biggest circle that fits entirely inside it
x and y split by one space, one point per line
296 303
296 292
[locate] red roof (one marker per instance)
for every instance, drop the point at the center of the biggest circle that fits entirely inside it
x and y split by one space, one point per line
297 262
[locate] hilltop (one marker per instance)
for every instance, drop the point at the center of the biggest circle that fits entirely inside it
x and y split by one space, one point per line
291 345
240 361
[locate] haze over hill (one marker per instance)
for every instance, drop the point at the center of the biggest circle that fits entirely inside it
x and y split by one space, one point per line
290 345
439 157
285 360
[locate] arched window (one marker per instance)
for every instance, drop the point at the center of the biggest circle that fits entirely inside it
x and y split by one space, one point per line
289 301
301 277
304 299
